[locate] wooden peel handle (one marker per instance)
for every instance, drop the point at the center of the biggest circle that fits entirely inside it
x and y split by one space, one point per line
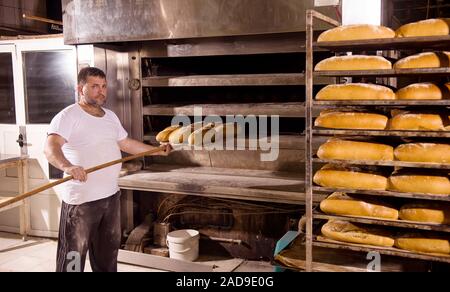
90 170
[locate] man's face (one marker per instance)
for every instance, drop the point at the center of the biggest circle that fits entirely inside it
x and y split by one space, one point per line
94 91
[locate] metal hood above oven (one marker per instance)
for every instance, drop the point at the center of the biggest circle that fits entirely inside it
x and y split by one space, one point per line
101 21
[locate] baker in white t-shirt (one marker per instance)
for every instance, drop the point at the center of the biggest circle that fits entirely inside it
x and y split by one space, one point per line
81 136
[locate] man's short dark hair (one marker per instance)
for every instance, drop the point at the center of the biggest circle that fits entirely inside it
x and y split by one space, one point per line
89 72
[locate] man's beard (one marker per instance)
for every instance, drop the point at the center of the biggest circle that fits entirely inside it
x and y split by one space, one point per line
96 102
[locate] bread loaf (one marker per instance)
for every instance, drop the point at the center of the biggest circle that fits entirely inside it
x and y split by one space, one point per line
425 60
423 244
429 27
351 120
348 232
181 135
428 212
350 178
164 135
356 32
408 121
355 91
423 152
433 183
343 204
212 133
424 91
202 136
356 62
352 150
226 131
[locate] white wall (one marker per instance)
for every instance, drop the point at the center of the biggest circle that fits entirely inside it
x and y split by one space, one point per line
361 12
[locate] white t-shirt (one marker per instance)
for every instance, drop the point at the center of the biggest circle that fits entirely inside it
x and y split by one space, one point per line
90 141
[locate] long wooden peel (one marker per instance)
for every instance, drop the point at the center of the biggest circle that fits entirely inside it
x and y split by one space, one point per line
93 169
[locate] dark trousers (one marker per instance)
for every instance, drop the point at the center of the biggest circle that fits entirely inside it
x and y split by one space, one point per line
93 226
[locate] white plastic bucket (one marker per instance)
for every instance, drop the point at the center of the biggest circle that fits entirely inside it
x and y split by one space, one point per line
183 244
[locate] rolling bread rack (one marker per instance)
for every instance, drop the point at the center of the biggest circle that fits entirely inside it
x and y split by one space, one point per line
312 191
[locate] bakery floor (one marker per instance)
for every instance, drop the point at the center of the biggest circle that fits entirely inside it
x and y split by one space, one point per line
39 255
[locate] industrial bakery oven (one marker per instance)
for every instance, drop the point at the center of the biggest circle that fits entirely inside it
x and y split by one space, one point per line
223 58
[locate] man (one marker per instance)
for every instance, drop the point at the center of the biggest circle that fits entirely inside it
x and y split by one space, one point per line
81 136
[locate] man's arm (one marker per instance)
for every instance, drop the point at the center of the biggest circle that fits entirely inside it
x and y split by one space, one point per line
132 146
55 156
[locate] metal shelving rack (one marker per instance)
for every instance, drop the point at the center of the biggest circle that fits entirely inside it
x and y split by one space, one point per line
311 241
